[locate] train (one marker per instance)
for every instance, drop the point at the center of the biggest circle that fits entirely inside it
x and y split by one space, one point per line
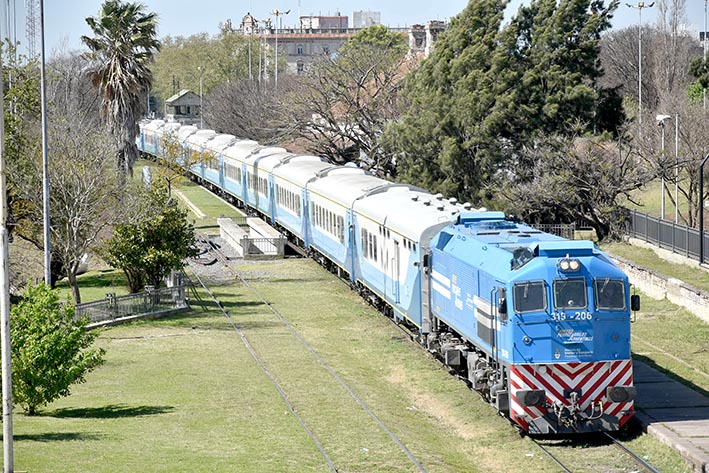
539 325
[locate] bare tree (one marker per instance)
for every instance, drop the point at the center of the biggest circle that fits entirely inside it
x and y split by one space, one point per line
85 192
71 91
349 98
579 180
249 109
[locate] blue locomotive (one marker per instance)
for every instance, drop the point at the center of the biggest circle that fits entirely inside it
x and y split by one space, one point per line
538 324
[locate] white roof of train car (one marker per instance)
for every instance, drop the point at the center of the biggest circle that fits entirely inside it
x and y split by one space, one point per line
345 184
154 125
184 131
300 169
200 137
268 158
239 150
407 212
220 142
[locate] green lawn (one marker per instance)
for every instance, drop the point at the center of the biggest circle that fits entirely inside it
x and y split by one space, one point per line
648 259
183 394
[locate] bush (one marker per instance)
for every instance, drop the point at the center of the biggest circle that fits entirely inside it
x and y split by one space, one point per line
50 348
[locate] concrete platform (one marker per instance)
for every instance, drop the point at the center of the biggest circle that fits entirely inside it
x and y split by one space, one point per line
675 414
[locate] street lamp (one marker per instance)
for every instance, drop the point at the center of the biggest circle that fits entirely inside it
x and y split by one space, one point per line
278 15
640 7
201 120
661 119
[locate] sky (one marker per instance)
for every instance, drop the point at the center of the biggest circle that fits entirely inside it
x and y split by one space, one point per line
65 19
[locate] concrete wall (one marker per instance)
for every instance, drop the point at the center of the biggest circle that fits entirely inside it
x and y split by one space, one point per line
658 286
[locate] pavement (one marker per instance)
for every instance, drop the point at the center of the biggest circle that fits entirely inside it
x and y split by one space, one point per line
674 413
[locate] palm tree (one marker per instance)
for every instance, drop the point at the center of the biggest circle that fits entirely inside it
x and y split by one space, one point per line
122 48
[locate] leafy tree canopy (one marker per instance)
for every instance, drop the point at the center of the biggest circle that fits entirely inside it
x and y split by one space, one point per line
150 248
487 91
51 348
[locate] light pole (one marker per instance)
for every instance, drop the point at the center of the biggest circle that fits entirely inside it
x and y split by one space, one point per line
704 91
676 168
278 15
701 209
201 120
640 7
661 119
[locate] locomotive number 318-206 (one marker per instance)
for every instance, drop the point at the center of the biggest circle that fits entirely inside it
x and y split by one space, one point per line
575 316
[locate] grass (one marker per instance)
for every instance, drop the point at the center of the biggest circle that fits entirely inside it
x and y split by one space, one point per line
208 203
648 259
183 394
648 200
673 340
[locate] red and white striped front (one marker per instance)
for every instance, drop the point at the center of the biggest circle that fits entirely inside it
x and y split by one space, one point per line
590 379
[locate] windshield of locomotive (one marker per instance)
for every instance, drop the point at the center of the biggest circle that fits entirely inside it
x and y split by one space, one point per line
530 296
570 294
610 294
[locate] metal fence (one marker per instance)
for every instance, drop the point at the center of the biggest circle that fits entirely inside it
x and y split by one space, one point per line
677 238
255 247
150 301
562 230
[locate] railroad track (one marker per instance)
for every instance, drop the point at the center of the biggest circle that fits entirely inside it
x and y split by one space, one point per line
211 255
566 466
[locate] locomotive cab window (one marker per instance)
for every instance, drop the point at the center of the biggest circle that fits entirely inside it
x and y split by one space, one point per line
530 297
570 294
609 294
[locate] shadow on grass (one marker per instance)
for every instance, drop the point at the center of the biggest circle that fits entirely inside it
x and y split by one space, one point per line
112 411
651 363
56 437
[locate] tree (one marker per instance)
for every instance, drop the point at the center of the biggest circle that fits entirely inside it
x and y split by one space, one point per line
487 91
51 348
249 109
122 48
148 249
348 98
85 193
578 180
440 142
217 60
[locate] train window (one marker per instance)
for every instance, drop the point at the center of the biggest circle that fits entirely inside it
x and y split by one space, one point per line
570 294
609 294
530 296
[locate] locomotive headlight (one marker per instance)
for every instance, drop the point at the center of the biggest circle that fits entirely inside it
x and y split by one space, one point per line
620 393
569 265
531 397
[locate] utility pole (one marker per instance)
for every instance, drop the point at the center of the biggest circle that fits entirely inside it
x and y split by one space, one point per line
45 153
6 355
640 7
278 15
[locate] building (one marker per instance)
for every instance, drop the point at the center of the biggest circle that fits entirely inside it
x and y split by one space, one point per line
423 37
183 107
316 36
365 19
